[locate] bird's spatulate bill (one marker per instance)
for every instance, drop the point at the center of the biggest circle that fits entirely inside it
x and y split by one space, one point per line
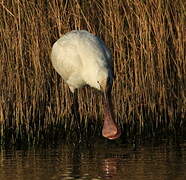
110 129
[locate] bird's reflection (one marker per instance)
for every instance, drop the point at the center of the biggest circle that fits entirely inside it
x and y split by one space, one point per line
109 167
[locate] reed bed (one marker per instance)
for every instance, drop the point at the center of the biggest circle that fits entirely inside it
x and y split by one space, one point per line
147 40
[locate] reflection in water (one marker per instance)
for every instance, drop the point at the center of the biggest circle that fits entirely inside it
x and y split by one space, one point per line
98 162
109 167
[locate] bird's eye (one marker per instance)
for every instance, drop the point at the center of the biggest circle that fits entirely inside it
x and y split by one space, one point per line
109 81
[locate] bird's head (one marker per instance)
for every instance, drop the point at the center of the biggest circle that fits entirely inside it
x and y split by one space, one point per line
105 81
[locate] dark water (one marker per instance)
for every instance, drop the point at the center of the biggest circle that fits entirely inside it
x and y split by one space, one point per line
100 161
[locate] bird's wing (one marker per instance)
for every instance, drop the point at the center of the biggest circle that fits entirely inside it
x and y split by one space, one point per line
65 59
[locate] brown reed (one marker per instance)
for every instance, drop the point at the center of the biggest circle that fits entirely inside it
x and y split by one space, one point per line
147 40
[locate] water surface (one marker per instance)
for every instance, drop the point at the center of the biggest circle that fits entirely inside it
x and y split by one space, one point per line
100 161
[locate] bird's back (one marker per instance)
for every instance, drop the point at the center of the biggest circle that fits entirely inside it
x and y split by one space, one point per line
78 56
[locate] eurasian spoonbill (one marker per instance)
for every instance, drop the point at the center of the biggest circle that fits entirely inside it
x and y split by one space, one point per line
81 58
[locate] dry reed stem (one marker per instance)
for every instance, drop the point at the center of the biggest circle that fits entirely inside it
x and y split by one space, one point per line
147 40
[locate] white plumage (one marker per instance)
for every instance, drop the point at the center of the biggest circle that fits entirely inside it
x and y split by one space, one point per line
81 59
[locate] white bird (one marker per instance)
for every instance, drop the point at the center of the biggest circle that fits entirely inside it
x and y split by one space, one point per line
81 58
